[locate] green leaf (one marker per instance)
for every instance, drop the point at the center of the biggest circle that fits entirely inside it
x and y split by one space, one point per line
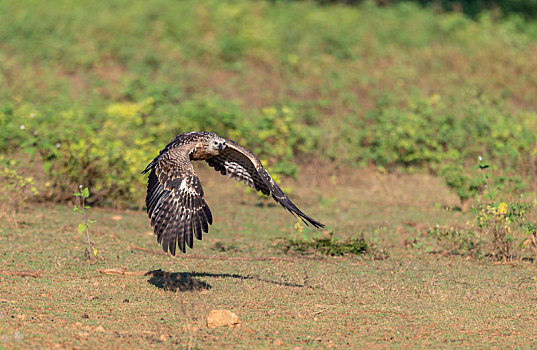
31 152
77 194
75 208
85 192
51 148
46 167
81 228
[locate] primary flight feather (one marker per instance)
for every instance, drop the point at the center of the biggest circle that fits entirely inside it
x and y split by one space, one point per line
174 198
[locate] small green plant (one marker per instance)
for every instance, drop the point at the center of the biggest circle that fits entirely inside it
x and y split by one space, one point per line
456 241
84 194
493 219
505 221
530 230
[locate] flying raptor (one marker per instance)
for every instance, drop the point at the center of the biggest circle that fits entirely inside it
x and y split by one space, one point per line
174 198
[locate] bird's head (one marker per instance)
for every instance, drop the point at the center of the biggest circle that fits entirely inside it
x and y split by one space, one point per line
217 144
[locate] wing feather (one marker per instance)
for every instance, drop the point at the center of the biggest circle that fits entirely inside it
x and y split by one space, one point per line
175 201
196 228
242 165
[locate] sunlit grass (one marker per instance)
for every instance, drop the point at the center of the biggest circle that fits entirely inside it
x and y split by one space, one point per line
411 298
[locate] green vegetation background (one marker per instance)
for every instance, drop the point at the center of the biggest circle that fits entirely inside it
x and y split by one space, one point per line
90 91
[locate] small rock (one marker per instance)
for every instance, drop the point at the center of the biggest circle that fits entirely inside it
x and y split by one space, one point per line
17 336
278 342
218 318
99 328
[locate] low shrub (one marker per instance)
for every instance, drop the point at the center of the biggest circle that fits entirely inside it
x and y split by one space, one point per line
353 85
324 246
17 189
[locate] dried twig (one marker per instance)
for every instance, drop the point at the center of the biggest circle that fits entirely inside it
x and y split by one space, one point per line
23 273
145 250
121 271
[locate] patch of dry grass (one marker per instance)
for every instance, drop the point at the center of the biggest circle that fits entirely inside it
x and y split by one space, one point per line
411 299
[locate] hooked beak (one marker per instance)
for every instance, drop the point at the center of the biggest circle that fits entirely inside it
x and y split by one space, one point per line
220 146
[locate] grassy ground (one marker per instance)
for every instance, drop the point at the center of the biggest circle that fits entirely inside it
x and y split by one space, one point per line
93 91
413 298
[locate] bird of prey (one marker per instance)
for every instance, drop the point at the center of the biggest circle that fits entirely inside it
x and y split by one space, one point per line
174 198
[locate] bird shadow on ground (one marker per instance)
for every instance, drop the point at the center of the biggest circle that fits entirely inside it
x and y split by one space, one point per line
187 281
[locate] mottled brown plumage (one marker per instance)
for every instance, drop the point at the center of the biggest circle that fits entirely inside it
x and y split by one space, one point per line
174 198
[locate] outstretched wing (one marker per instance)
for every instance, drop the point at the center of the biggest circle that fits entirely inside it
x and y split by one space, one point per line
175 201
242 165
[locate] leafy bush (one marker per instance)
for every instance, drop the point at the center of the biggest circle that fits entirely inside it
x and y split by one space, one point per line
527 8
429 133
16 188
108 150
352 85
425 134
465 186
